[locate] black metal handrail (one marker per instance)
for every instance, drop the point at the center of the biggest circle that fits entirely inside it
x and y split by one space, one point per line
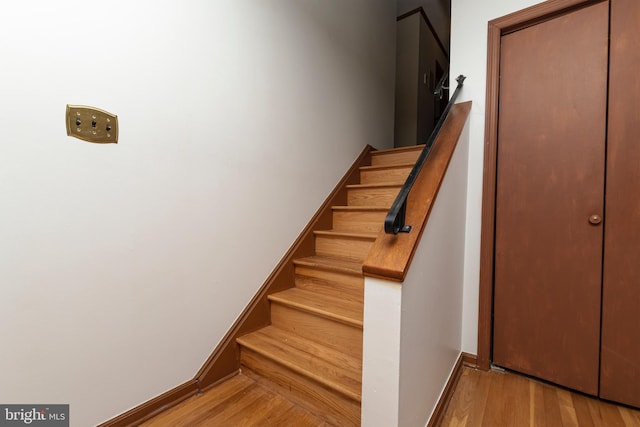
394 222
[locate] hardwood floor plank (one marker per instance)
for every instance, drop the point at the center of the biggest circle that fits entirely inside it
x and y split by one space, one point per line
239 401
256 408
532 404
480 399
220 411
583 414
302 419
191 408
567 411
495 409
630 417
267 413
243 407
517 400
605 414
552 406
536 405
505 399
462 400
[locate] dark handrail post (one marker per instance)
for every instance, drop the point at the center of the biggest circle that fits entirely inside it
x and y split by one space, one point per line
401 225
394 222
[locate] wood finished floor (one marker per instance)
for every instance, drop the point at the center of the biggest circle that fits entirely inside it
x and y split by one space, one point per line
503 399
237 402
481 399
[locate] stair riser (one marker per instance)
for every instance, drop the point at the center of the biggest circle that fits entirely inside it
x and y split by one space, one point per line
368 221
329 332
314 397
330 283
398 158
347 247
385 176
380 197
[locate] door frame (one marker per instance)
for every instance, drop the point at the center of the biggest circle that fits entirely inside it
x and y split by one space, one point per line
497 28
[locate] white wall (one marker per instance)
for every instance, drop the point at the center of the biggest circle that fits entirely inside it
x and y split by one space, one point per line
412 331
122 266
469 20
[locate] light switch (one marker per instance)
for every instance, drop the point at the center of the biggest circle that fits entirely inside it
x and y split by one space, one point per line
92 124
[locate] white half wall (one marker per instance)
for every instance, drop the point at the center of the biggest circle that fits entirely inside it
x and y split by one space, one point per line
469 25
122 266
412 330
381 353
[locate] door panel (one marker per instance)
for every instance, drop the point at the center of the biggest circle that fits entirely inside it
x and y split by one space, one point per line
620 368
550 180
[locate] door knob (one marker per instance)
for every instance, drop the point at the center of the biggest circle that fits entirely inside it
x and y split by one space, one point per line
595 219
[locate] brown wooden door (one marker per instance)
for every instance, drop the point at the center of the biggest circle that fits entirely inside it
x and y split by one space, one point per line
550 181
620 366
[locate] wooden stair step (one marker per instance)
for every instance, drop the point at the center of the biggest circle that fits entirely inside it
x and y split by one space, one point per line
380 195
390 174
330 276
344 266
359 218
386 151
332 321
301 376
396 156
333 369
333 308
344 244
330 283
373 186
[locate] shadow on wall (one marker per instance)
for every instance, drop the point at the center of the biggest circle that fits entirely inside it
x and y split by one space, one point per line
422 60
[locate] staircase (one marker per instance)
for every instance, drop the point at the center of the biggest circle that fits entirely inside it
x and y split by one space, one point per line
311 353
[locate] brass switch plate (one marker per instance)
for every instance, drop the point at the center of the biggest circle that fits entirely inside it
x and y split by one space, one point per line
92 124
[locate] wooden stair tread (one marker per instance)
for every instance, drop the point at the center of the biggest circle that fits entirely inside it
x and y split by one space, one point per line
398 149
326 366
359 208
339 309
344 243
396 156
365 186
358 218
332 264
351 288
383 167
365 235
